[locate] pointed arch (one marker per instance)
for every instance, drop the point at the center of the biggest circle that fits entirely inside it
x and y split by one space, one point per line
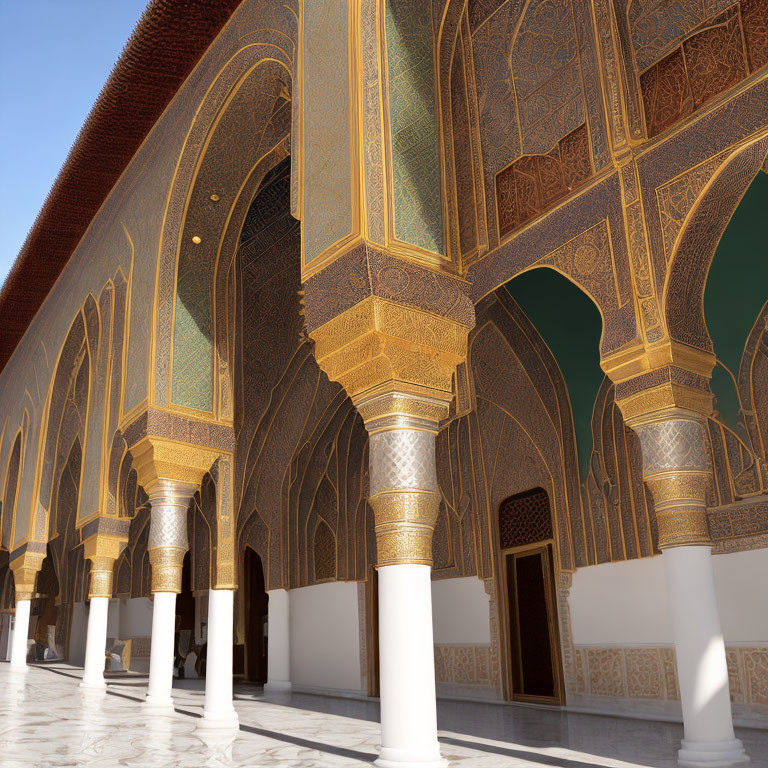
324 552
71 379
695 246
83 400
563 314
11 491
251 93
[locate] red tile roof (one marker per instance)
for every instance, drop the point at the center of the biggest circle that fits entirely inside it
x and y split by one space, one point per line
168 41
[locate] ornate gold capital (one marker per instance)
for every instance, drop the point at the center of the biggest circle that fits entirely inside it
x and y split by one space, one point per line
392 358
166 565
652 380
169 500
102 551
396 410
392 335
677 468
102 570
158 459
25 569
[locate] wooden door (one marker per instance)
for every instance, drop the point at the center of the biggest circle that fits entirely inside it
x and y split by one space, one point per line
533 636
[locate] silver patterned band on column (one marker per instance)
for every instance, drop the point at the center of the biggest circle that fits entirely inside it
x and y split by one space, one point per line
677 467
167 545
404 493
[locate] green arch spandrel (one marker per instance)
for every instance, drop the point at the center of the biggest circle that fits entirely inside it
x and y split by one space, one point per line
736 292
570 324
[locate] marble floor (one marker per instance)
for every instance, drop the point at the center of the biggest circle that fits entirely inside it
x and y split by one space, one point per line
47 721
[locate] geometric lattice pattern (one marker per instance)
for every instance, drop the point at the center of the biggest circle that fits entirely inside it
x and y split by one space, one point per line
415 144
525 518
325 552
404 459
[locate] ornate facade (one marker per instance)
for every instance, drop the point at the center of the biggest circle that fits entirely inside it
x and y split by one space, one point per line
453 301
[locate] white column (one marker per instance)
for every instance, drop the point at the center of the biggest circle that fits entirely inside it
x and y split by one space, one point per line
278 642
407 669
20 632
95 644
161 653
701 665
218 710
166 547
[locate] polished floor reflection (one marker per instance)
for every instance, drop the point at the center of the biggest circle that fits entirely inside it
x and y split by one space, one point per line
46 720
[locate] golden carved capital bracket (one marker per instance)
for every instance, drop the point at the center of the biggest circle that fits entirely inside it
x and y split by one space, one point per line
383 323
402 417
170 472
381 348
651 381
172 453
392 333
103 550
25 567
160 461
396 362
664 395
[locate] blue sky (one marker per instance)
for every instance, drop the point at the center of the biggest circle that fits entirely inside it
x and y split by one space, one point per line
55 56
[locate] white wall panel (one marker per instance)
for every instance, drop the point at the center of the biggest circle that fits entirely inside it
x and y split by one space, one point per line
461 611
135 618
325 637
626 603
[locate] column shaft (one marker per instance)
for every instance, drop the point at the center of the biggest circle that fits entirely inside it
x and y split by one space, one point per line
218 710
404 497
701 665
166 546
279 640
407 668
102 551
95 643
20 632
161 654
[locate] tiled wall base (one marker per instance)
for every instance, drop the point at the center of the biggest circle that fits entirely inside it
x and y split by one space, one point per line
464 671
642 680
467 664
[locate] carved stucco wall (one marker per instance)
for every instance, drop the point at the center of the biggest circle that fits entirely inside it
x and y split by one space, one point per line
124 236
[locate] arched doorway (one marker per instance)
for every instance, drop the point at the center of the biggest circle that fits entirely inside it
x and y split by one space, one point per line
185 617
526 540
7 605
49 615
256 601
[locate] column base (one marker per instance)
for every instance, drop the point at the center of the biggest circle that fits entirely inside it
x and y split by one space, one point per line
18 668
278 687
93 685
158 706
219 720
402 758
711 754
